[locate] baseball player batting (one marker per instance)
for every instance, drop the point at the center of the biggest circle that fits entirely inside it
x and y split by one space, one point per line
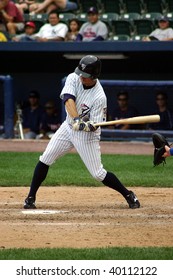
85 103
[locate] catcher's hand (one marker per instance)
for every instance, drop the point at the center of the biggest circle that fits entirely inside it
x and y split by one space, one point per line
80 125
159 142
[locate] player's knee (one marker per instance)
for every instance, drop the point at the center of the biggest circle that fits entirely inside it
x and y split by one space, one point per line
99 175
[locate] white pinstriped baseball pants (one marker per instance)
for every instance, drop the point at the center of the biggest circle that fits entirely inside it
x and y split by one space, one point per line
85 143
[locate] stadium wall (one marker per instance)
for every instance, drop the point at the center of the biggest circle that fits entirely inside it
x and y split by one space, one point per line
42 66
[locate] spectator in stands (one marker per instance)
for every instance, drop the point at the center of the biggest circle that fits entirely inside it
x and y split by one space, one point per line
49 5
50 121
23 5
94 29
166 114
11 17
163 33
123 110
28 35
54 30
74 26
32 115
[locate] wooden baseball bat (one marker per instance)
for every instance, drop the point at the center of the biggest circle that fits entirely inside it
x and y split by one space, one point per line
134 120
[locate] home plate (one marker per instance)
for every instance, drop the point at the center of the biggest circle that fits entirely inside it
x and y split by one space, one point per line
44 212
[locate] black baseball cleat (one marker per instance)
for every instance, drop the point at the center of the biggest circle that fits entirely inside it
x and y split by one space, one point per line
29 203
132 200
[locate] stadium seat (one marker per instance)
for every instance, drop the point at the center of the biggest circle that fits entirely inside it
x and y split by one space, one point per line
120 37
26 17
143 26
130 16
121 27
155 6
153 16
170 15
171 23
65 17
39 17
138 37
39 20
82 17
134 6
169 5
112 6
107 19
109 16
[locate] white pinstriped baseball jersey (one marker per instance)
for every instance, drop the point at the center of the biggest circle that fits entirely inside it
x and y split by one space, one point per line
89 102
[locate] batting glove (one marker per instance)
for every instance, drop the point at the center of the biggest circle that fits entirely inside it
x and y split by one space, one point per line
80 125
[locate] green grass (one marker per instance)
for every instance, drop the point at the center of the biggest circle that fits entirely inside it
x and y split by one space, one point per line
114 253
16 169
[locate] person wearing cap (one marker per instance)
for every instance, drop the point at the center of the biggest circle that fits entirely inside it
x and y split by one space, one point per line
94 29
85 105
28 35
162 33
32 115
50 5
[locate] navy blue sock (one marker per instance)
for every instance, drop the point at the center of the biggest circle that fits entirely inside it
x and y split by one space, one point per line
39 176
113 182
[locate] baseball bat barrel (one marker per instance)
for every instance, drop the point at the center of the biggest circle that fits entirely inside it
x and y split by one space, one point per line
133 120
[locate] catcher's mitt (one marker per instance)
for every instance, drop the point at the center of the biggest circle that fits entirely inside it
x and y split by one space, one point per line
159 142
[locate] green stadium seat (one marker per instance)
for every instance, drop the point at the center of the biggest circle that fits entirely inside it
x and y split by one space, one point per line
169 5
153 16
170 15
82 17
112 6
39 20
155 6
120 37
109 16
107 19
121 27
65 17
130 16
134 6
39 17
144 26
138 37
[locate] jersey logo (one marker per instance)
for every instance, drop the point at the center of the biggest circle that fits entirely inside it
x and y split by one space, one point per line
85 110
